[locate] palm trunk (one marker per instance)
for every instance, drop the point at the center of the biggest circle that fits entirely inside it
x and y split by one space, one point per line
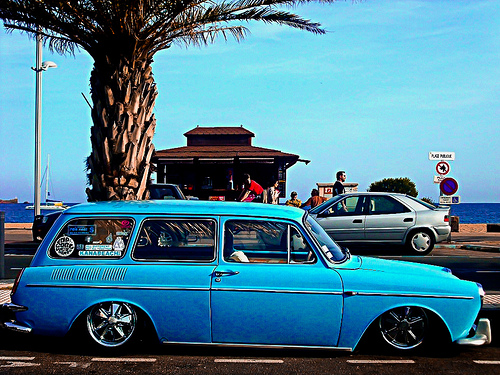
123 95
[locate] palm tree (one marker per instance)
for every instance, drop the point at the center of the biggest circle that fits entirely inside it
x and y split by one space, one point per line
122 37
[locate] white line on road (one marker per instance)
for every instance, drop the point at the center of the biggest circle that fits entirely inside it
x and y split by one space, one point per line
17 358
376 361
124 359
248 361
487 362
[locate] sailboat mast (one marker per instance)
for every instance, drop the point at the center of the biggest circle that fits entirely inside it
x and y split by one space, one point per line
47 179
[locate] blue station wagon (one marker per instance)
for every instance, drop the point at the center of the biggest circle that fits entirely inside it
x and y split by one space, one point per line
227 273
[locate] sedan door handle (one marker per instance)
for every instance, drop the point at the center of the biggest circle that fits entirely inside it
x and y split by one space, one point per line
408 220
225 273
357 221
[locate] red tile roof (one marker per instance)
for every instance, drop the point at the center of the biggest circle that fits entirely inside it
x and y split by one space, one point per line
221 152
220 130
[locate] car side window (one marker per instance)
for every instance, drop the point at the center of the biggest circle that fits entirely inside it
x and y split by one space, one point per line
249 241
92 238
385 205
348 206
176 240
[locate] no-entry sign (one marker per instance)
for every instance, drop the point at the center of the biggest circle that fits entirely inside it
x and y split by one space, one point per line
449 186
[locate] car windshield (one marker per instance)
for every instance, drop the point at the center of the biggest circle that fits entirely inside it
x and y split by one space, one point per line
325 204
328 246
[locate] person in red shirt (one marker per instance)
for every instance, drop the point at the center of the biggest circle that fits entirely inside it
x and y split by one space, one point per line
251 189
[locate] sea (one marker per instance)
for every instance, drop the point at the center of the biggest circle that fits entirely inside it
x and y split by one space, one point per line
468 213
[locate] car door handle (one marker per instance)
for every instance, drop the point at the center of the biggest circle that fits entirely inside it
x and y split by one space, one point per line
408 220
225 273
357 221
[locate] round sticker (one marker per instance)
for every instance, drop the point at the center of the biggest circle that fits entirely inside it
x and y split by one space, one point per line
64 246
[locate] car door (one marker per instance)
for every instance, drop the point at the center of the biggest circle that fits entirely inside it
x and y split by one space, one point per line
388 219
270 288
344 220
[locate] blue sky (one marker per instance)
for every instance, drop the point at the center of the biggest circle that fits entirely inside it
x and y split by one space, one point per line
389 82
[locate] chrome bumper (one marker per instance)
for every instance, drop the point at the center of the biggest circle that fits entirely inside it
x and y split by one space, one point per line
482 335
6 312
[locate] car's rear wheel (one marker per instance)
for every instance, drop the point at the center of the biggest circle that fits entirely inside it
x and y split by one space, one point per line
112 324
420 242
404 328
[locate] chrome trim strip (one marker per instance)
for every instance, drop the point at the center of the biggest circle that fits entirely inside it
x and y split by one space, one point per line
274 291
260 346
411 295
124 287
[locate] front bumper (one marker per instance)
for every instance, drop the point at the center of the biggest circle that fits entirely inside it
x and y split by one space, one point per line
7 318
481 336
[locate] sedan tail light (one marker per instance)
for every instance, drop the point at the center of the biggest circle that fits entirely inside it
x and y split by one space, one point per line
446 218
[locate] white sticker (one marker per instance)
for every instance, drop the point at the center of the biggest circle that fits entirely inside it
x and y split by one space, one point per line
64 246
109 239
119 245
98 247
87 253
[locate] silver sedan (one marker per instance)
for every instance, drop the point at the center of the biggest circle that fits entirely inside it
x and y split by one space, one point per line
387 218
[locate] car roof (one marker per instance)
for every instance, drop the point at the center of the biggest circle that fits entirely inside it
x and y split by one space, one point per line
186 207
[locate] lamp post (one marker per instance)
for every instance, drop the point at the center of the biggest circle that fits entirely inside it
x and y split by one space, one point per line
40 67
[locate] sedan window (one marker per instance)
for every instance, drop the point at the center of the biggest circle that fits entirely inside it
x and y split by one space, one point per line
176 240
352 205
385 205
253 241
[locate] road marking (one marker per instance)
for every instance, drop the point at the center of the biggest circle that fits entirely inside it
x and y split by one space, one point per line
248 361
376 361
487 362
124 359
17 358
73 364
20 364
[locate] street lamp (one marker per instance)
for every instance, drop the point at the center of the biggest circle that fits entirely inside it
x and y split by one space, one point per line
40 67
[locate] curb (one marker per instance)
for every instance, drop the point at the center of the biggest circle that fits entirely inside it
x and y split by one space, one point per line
485 248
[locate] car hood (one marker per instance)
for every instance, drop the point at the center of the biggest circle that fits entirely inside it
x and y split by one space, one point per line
377 276
401 267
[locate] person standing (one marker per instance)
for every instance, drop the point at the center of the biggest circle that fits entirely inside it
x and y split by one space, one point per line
314 200
293 201
251 190
272 194
338 186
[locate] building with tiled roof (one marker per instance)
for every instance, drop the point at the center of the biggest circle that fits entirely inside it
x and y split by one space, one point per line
212 163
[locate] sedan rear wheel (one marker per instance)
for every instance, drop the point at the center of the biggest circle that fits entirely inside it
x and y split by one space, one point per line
112 324
420 243
404 327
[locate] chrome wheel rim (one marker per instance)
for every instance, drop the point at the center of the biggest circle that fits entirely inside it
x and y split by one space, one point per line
404 327
421 242
111 324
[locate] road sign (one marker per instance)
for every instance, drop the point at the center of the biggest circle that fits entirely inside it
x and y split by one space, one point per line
442 168
440 155
438 179
449 186
445 199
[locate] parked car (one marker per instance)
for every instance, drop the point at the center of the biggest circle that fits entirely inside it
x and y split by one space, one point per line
43 222
384 218
229 273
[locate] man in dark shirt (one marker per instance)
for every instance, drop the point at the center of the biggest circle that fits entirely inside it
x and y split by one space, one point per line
338 186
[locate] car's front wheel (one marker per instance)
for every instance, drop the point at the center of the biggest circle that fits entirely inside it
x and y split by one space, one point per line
112 324
404 328
420 242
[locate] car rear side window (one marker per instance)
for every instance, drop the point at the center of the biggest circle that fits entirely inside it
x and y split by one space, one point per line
185 240
385 205
92 238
